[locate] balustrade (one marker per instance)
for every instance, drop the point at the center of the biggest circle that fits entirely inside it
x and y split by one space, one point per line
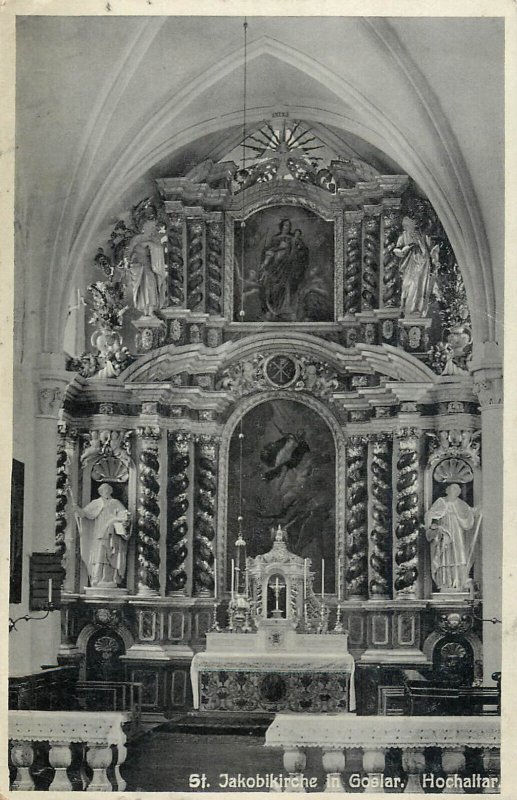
102 739
399 754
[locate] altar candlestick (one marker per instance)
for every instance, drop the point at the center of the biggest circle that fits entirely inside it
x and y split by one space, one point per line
215 579
50 590
339 579
322 578
233 579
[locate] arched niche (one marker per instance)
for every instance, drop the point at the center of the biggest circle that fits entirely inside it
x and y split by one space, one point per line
120 641
314 510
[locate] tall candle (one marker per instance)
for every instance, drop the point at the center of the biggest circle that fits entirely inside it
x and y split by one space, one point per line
322 578
304 579
339 579
215 578
247 581
233 578
50 590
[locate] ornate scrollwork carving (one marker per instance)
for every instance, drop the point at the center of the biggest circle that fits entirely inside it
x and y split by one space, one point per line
204 517
148 552
356 526
464 444
106 443
177 538
380 557
454 622
408 525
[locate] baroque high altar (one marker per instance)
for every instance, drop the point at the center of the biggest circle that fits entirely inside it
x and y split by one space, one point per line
281 348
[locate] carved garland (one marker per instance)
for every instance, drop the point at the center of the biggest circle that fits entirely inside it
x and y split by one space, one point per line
380 557
148 552
408 525
356 527
204 520
177 539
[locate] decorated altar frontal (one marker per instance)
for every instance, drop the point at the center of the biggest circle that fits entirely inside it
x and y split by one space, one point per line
249 672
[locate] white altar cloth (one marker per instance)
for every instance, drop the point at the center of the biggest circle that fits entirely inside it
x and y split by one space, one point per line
223 660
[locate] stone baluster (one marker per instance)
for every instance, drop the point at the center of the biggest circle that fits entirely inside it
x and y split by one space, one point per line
120 758
334 765
214 270
390 277
413 762
295 762
22 756
371 257
177 538
408 511
60 757
374 763
176 285
195 258
99 758
204 516
148 545
357 518
492 768
453 763
381 517
352 275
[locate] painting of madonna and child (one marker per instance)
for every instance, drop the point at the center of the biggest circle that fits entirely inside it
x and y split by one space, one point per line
288 475
284 267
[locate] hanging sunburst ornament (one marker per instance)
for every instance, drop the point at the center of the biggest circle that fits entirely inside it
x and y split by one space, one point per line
286 151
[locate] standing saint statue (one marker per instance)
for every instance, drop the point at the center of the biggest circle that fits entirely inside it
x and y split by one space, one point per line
418 257
146 259
104 531
447 522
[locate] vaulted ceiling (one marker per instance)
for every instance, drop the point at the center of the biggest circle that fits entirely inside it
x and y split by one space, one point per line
106 105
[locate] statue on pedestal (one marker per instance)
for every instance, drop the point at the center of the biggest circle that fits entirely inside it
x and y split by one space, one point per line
104 531
447 522
418 256
146 259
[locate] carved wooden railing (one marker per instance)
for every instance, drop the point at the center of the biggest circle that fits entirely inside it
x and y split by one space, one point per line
96 743
50 689
403 754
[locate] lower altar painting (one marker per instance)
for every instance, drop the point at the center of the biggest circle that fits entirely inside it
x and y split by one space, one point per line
288 478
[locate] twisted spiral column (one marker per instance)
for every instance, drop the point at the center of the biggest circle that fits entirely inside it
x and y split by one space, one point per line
214 272
177 535
352 276
356 573
195 266
148 510
371 242
408 514
204 515
176 286
380 534
62 486
390 277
